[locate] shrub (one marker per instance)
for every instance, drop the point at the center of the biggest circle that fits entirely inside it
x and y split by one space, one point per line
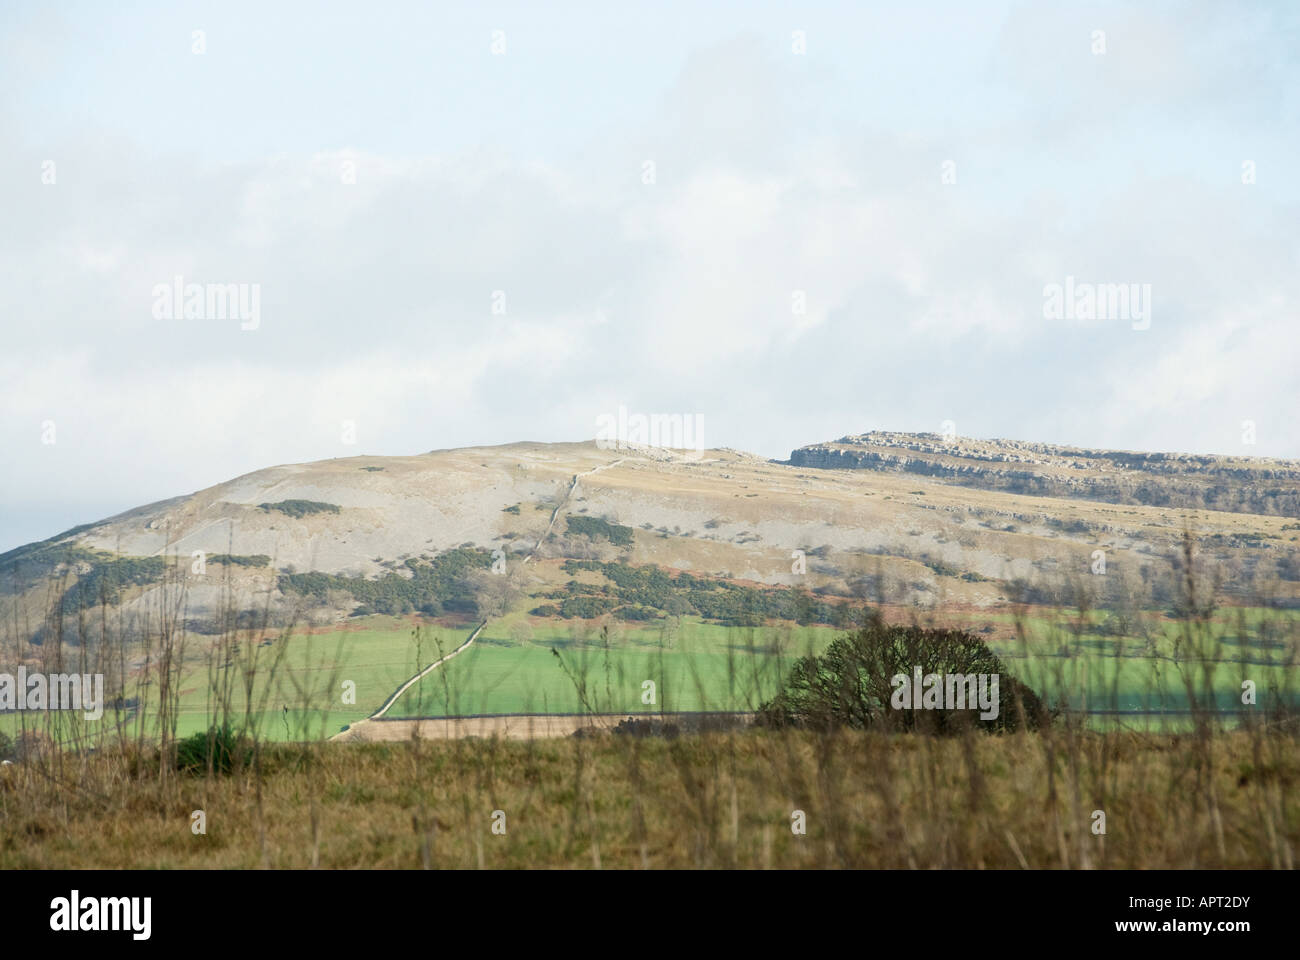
442 584
850 685
222 748
714 599
636 613
103 582
596 529
230 559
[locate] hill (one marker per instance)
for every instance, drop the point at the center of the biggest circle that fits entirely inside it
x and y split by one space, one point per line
915 520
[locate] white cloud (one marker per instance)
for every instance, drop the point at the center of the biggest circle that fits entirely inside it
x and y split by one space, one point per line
924 300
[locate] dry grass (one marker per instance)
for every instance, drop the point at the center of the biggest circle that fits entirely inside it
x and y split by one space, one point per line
712 800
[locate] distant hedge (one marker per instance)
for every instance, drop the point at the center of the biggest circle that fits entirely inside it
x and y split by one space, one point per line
300 508
103 583
434 587
235 560
648 592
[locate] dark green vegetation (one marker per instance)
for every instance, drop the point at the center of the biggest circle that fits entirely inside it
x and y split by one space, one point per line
38 559
25 564
299 508
89 579
219 750
435 586
650 592
851 684
99 575
598 529
235 560
83 579
106 578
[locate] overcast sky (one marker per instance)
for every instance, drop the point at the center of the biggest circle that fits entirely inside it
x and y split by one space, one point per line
644 192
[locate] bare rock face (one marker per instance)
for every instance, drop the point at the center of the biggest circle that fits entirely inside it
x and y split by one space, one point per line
1256 485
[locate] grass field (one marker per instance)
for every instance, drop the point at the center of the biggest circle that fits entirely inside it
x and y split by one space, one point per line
693 665
700 666
304 672
710 667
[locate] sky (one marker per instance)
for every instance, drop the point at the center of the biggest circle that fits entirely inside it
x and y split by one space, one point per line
477 223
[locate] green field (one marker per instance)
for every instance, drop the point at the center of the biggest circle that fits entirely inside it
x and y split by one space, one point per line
563 667
700 667
711 667
304 672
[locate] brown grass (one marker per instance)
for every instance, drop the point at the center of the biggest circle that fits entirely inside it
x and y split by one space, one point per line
713 800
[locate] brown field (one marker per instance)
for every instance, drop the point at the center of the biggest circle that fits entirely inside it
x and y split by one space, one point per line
724 800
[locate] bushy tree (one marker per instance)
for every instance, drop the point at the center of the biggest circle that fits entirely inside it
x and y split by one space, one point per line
851 684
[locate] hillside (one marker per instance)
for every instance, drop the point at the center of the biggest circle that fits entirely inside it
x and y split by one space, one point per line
915 520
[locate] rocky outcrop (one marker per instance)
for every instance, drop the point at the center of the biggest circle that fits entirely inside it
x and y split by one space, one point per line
1236 484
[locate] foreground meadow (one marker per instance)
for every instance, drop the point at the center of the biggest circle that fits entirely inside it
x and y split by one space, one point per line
1062 798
